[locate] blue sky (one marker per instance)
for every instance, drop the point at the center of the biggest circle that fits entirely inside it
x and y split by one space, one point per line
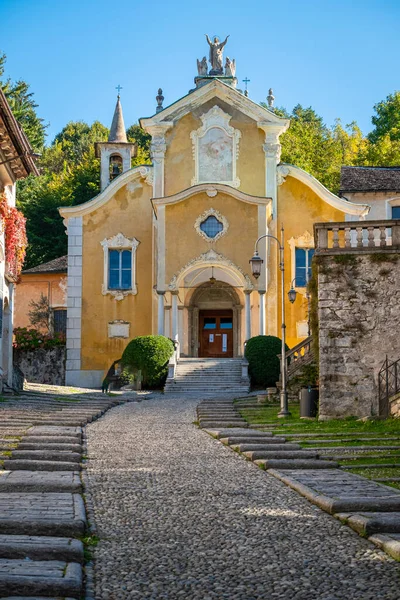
340 57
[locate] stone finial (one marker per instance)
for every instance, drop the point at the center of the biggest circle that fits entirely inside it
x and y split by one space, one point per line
159 99
271 98
117 131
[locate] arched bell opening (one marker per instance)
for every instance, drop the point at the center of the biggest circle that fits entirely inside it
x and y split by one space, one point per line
115 166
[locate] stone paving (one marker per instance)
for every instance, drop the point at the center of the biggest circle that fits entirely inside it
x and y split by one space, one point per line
41 506
179 515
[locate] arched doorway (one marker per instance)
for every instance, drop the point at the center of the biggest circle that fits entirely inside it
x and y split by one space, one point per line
214 321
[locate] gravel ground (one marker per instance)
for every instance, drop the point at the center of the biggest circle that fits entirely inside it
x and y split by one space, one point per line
181 516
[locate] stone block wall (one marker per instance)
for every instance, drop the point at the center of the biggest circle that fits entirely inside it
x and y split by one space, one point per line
359 321
42 366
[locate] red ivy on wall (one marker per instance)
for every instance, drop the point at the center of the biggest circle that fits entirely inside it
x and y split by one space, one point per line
13 223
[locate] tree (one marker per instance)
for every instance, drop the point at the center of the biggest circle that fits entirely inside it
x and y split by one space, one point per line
24 108
39 313
138 136
387 119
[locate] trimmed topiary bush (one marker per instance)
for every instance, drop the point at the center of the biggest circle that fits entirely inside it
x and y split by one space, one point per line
150 354
264 365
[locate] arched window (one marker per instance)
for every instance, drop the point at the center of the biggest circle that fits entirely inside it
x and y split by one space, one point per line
115 166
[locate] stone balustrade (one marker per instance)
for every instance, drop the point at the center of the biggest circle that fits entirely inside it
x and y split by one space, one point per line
357 236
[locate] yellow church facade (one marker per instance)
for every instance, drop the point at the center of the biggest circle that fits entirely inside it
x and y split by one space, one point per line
165 248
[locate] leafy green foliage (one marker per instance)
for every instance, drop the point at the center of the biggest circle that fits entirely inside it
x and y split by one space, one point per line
264 365
149 354
32 339
23 107
387 119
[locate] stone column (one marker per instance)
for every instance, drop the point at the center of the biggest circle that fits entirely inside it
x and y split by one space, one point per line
158 148
272 151
175 322
247 309
262 327
160 330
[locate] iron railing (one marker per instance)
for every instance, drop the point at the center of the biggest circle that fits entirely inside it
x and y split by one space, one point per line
388 384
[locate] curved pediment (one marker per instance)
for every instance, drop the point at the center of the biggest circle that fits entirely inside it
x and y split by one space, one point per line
144 172
212 190
350 208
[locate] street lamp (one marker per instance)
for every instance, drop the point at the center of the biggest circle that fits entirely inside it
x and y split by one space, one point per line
256 262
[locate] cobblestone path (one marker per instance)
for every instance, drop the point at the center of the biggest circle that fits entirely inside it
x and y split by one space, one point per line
181 516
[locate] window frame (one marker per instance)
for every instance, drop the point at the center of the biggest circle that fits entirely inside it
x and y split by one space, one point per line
303 242
119 242
120 268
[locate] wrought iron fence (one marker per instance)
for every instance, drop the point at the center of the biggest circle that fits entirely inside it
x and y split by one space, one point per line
389 384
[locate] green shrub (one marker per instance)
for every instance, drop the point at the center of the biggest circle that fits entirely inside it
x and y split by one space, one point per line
150 354
264 365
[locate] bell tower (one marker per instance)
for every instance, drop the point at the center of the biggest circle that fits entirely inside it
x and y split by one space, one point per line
115 154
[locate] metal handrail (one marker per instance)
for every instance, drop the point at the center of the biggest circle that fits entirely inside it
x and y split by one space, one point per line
388 384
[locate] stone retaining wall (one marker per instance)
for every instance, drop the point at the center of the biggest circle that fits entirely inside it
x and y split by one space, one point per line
359 320
42 366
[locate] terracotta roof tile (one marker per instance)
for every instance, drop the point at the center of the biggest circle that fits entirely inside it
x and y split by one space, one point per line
58 265
369 179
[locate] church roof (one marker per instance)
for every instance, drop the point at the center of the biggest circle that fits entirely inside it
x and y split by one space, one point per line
57 265
369 179
117 131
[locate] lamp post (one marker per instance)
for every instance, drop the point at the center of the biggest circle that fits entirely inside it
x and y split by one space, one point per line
292 297
256 263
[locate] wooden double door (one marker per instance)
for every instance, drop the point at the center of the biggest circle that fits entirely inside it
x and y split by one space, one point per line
216 333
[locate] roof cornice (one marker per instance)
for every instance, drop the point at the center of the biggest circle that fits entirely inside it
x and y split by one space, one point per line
215 89
145 172
351 208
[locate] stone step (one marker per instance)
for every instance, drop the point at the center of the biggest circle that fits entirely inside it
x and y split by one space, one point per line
41 548
287 454
271 448
219 424
49 446
232 440
58 514
52 455
388 542
40 481
223 433
55 578
369 523
337 491
39 465
50 431
279 464
43 440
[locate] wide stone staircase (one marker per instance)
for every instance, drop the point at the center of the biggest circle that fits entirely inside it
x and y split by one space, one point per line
208 377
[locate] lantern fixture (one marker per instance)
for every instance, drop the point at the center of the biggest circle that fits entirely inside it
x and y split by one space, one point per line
256 263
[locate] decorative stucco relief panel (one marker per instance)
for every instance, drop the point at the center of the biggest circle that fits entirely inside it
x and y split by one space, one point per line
216 149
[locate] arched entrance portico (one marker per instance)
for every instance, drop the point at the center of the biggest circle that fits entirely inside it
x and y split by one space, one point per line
214 321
